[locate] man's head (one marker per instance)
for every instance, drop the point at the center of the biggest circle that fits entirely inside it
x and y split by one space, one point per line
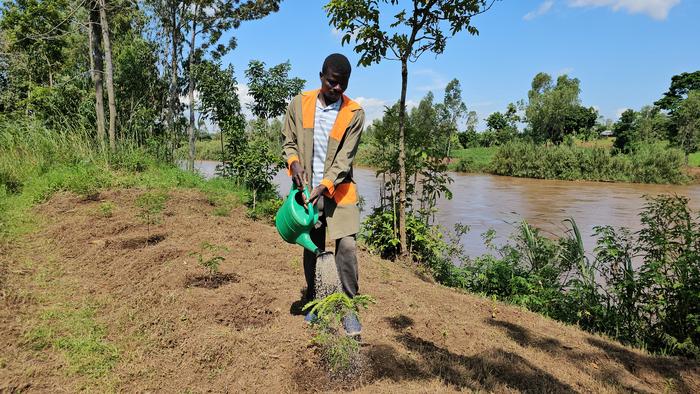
335 75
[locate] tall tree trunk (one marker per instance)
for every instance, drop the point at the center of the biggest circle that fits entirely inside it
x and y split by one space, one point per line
173 78
96 68
190 127
109 73
402 159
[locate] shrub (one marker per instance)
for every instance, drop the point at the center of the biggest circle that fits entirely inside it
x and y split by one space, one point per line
650 163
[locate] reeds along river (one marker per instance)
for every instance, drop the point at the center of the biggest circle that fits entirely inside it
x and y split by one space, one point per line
488 201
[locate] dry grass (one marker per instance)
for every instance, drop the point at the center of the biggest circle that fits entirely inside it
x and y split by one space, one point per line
247 334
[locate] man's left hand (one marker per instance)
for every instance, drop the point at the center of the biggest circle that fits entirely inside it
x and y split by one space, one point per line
316 193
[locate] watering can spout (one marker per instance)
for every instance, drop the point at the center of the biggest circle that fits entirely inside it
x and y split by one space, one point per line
305 241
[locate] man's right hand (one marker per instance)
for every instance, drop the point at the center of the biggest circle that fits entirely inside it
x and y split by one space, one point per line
298 175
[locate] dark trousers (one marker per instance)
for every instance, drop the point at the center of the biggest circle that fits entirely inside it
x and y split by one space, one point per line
345 259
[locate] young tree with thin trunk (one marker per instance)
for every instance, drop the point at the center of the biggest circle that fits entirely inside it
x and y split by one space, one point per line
109 74
424 27
208 20
454 110
96 67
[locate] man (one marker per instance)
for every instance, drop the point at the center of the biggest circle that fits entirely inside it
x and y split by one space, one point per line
321 134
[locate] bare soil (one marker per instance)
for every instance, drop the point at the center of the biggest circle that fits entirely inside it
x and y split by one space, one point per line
174 334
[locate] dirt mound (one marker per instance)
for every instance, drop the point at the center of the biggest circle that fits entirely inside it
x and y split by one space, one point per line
157 330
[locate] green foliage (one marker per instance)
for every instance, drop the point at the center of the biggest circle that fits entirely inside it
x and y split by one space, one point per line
271 89
639 128
681 86
653 302
686 119
554 110
427 245
339 352
208 259
266 209
648 164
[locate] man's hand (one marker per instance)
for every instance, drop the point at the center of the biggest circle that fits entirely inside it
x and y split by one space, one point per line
298 175
316 193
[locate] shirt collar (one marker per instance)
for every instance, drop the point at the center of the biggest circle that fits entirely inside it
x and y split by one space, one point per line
333 106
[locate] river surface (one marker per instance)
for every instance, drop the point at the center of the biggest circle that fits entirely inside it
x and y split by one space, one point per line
486 202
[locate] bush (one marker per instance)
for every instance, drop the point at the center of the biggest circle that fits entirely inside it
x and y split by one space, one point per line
651 163
427 245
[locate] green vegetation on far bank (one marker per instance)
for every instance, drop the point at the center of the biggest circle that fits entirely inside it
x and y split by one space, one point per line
472 159
650 163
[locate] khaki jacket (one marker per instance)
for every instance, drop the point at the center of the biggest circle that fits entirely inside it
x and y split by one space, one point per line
340 208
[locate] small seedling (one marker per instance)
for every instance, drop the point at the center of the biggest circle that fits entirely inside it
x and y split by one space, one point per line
207 258
151 205
107 209
339 352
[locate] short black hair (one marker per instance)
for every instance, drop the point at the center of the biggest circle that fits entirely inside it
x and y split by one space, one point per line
338 62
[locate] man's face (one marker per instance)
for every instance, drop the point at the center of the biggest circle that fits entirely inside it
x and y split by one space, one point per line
333 85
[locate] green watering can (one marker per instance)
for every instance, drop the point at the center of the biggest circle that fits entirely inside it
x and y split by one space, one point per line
295 220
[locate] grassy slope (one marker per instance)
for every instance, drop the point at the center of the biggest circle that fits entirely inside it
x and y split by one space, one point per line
145 327
694 159
479 158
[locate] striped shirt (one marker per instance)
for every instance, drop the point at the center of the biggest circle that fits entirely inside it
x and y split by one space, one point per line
324 119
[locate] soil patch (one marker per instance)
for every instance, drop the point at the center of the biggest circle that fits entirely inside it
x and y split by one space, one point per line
171 335
210 281
142 242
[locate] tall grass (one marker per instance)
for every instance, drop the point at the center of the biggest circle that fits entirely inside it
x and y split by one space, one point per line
648 164
36 162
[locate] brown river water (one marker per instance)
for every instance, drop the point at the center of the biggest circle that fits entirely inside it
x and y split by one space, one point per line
495 202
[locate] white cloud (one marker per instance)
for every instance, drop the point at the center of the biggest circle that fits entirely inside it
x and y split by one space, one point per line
245 98
435 80
619 112
541 10
657 9
565 70
374 107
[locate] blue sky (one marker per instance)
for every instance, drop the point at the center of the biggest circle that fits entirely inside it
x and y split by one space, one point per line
623 51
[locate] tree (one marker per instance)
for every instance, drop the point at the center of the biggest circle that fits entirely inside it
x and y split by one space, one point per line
271 89
416 30
681 86
454 110
170 17
219 102
96 66
635 128
551 107
624 131
109 74
37 38
208 19
687 119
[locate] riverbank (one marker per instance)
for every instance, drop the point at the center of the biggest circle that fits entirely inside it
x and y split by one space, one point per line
102 302
650 168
